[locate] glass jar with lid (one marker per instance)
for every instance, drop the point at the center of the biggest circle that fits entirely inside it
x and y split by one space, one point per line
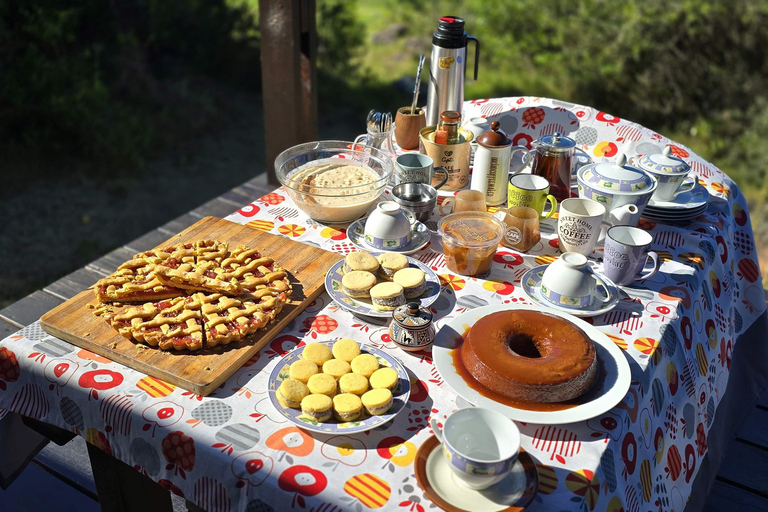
449 123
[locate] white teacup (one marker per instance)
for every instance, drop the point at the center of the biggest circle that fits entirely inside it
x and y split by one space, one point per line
672 185
387 227
568 282
481 445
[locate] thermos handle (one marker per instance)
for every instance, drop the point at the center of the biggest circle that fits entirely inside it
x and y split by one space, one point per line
477 53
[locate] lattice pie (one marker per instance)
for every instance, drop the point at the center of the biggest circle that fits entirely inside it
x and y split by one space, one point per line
195 295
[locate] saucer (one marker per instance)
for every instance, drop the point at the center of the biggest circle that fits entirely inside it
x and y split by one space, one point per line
531 282
438 482
420 236
658 212
694 198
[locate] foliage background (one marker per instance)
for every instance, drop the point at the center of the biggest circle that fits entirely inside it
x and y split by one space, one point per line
115 102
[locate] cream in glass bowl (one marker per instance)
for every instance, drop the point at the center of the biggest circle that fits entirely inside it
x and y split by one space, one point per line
330 181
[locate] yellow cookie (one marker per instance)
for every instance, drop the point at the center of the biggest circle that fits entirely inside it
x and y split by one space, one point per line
376 401
317 407
318 353
322 384
291 392
384 378
353 383
365 364
346 350
336 368
302 370
347 407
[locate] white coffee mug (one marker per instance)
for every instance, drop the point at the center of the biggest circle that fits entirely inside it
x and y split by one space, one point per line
579 225
481 445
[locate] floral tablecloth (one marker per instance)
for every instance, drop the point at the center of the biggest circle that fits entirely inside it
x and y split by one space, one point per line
231 451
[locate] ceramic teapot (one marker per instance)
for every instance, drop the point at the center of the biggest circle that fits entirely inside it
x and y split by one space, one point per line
618 187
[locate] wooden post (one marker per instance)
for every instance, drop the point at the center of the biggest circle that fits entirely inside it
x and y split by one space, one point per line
288 75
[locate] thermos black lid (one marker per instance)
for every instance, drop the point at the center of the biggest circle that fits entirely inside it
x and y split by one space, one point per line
450 33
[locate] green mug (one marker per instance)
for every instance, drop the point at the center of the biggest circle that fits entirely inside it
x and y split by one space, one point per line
531 191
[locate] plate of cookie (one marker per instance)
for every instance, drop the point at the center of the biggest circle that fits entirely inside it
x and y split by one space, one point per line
376 284
339 386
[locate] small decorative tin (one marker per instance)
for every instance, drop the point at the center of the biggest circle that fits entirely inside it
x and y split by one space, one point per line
411 328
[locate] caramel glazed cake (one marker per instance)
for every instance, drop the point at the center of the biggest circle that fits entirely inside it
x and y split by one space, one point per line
530 356
193 295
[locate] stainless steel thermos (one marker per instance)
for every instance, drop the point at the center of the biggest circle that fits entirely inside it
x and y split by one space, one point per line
447 67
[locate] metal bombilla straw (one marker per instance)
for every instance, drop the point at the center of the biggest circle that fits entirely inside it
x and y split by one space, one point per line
418 83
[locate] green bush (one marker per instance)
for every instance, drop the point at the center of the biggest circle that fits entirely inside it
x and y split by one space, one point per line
109 81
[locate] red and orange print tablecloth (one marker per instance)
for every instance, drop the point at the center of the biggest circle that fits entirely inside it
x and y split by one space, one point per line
231 451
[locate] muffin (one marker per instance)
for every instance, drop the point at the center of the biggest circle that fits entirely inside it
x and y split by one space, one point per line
336 368
291 392
322 384
390 263
353 383
413 281
376 401
360 261
302 370
347 407
387 296
358 283
383 378
365 365
346 349
317 407
318 353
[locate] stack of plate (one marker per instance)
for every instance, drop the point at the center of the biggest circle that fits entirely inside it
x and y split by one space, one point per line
684 208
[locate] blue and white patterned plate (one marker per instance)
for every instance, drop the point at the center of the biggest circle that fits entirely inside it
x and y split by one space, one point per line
420 236
366 422
531 282
364 306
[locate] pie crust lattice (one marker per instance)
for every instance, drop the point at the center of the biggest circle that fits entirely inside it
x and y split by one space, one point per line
190 296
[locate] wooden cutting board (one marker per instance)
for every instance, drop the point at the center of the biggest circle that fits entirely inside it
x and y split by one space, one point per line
204 370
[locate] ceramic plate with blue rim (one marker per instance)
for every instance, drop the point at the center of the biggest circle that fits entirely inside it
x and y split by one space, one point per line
531 282
419 238
366 422
364 306
696 197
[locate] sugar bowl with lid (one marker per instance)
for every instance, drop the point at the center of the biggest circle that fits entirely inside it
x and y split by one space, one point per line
412 328
670 172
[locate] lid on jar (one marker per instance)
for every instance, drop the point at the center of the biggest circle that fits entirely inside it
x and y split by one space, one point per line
412 315
494 138
471 229
663 163
557 142
450 116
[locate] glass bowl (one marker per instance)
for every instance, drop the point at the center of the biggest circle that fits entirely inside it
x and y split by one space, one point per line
331 182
